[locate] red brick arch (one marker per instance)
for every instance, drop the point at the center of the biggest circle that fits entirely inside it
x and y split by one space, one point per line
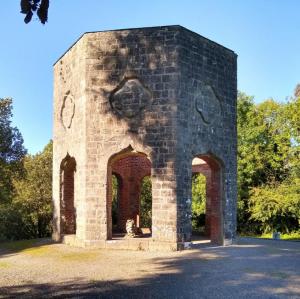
130 169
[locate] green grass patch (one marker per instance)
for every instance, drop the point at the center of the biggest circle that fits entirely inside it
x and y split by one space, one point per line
38 251
80 256
293 236
4 265
19 245
32 247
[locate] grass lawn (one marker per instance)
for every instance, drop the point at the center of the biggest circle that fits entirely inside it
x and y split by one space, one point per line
293 236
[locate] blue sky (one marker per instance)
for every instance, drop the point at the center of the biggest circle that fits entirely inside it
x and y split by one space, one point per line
264 34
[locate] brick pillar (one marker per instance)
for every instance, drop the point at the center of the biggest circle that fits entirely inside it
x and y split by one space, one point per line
215 199
215 207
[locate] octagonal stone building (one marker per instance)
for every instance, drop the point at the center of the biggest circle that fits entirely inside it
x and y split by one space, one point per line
157 102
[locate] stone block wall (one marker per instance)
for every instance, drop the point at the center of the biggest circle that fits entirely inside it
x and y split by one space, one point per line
206 121
69 133
162 92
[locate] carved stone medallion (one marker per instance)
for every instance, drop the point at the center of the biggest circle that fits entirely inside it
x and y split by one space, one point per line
130 98
67 110
207 104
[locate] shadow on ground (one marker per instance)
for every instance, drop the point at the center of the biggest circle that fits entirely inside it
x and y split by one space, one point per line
250 270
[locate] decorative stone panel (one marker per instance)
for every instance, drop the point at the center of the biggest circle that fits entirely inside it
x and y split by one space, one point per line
130 98
207 104
67 110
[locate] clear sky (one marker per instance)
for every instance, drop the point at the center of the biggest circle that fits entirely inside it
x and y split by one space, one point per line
264 34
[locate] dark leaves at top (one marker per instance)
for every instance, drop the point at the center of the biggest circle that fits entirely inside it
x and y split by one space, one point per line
28 7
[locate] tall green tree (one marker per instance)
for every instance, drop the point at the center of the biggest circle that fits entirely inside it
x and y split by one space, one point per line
33 193
263 143
29 212
292 120
11 151
268 159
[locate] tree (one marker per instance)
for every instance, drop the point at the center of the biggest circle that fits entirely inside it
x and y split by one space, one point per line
263 143
268 162
29 213
40 7
33 195
11 151
198 202
276 207
146 202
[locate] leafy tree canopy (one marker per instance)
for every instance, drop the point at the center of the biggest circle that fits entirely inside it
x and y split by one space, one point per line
268 164
11 150
29 213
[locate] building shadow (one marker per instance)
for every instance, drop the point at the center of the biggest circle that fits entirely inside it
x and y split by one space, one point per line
240 271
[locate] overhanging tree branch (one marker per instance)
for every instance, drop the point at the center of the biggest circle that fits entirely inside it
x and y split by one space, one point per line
28 7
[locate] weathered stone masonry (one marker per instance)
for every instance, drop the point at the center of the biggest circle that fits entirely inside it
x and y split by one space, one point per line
165 94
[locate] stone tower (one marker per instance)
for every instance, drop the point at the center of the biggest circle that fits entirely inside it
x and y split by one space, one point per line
144 102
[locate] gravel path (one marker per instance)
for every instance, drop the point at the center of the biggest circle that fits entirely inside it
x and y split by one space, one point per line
252 269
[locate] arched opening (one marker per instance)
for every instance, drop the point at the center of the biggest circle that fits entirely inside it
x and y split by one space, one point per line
129 194
67 206
207 216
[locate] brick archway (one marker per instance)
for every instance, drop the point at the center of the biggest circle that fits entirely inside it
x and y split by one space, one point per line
67 206
211 168
130 168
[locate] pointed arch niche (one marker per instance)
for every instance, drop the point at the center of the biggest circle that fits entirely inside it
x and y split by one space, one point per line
67 206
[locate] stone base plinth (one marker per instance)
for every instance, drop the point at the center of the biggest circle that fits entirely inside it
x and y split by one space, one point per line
137 244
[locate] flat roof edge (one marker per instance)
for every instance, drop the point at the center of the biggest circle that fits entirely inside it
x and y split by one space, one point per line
141 28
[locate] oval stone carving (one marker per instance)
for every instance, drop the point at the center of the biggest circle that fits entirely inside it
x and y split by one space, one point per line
207 104
67 110
130 98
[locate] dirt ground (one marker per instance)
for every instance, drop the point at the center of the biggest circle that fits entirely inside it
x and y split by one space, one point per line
252 269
